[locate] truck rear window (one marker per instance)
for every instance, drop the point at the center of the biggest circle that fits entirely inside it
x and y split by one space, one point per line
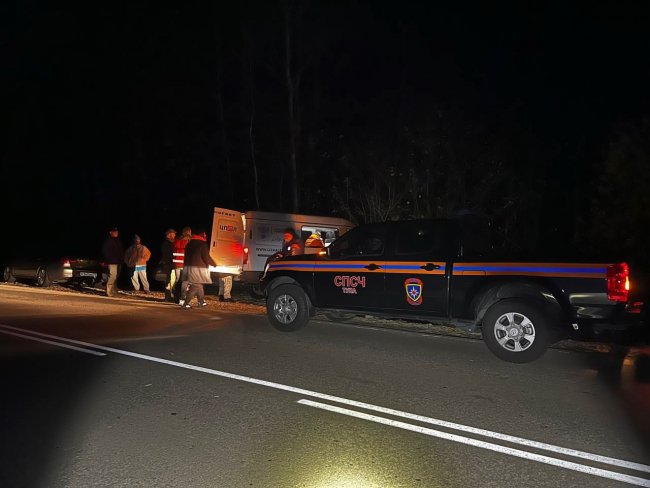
425 237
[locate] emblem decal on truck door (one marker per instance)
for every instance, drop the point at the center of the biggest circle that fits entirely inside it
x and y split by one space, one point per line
414 291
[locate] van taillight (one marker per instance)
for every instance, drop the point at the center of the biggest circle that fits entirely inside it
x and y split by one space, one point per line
245 255
618 282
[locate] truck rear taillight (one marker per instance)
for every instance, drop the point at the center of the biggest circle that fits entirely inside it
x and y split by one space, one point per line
246 255
618 282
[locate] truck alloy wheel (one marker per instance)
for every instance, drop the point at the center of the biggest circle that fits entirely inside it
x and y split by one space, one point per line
514 332
288 308
285 309
518 331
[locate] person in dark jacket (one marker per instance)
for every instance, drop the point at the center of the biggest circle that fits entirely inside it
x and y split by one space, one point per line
292 245
113 252
180 291
167 263
196 268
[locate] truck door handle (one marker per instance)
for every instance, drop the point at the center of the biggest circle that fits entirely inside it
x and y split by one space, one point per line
430 266
372 267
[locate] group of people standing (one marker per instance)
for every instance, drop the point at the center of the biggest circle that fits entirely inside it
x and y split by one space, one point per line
135 257
185 261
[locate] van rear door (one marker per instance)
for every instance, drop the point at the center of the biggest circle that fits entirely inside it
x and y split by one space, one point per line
227 245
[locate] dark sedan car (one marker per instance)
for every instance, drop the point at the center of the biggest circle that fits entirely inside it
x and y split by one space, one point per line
44 272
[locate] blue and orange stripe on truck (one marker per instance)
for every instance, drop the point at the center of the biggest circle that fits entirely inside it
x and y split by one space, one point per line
414 267
349 267
403 267
354 266
292 266
554 270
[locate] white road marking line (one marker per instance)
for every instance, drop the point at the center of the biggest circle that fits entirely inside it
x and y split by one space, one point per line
367 406
31 338
633 480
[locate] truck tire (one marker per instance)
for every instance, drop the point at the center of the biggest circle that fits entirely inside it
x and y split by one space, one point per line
254 292
8 275
517 331
338 317
287 308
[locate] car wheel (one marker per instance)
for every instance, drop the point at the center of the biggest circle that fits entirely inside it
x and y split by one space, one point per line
254 292
287 308
41 278
8 275
517 331
338 317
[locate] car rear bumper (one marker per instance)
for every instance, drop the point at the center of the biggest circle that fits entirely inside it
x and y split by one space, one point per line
77 275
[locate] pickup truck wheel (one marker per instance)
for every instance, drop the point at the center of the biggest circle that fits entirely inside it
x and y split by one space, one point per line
287 308
517 331
8 275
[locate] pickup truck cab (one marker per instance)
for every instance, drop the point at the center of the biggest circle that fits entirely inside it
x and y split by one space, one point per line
446 271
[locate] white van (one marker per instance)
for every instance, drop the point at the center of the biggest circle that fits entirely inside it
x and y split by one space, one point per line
241 243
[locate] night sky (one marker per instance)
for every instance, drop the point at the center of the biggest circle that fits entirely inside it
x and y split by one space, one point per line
113 116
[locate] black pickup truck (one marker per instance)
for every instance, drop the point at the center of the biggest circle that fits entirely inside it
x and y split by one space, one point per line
447 271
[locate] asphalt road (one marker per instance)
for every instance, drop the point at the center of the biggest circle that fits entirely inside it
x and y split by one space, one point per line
109 392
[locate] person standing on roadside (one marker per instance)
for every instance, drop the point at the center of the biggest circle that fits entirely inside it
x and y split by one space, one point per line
196 268
179 259
113 253
167 263
136 258
225 287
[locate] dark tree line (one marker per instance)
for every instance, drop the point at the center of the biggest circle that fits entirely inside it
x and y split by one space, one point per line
616 213
151 118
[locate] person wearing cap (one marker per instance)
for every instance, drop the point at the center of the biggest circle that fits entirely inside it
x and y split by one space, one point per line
167 263
136 257
113 253
179 259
